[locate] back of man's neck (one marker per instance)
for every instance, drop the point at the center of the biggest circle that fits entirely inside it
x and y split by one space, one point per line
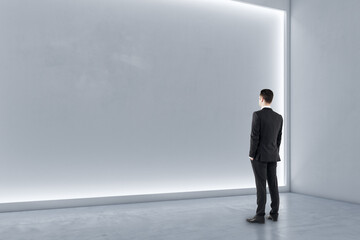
266 106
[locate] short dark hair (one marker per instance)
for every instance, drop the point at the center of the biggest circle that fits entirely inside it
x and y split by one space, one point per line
267 94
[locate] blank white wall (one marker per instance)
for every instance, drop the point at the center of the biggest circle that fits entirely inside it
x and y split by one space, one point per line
277 4
115 98
325 116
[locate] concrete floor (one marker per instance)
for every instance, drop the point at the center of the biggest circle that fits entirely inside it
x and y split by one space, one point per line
301 217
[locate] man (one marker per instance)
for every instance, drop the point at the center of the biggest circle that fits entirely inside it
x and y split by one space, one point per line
265 142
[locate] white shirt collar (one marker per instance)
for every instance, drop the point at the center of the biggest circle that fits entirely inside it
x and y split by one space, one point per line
266 107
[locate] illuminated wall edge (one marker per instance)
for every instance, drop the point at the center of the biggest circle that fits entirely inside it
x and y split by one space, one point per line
64 203
86 202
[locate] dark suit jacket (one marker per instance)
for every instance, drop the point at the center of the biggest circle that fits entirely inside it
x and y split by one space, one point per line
265 137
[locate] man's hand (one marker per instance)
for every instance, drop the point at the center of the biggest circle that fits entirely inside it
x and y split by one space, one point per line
251 158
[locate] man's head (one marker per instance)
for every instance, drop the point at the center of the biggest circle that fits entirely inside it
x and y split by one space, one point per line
266 97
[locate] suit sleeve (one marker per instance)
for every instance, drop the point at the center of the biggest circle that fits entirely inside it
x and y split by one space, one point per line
255 135
279 134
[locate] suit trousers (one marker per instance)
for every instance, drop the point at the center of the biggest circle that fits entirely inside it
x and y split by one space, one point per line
266 171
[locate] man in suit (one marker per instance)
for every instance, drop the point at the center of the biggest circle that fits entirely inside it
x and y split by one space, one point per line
266 131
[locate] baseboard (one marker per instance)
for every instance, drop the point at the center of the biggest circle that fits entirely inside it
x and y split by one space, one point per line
114 200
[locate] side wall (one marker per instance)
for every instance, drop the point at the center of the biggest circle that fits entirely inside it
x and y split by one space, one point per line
325 71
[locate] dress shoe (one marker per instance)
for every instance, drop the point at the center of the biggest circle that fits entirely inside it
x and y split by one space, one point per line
273 217
256 219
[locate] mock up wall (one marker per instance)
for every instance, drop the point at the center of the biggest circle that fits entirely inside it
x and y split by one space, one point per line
116 98
325 116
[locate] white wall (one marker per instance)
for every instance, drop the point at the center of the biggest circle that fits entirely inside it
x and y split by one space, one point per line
325 90
277 4
116 98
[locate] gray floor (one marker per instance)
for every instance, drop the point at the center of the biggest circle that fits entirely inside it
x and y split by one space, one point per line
301 217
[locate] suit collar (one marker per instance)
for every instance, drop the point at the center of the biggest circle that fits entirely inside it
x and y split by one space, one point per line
266 107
